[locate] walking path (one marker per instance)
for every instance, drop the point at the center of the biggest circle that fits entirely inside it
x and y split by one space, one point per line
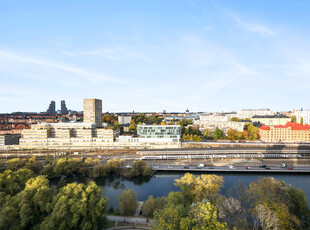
138 220
137 212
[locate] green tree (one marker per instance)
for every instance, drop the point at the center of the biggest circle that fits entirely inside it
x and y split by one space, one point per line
33 202
15 164
302 120
14 182
202 215
152 204
293 118
127 202
201 187
76 206
218 134
286 205
177 198
168 218
208 135
139 168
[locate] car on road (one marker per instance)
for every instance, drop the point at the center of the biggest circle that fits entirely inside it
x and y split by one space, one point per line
170 167
128 166
267 168
211 167
263 166
283 165
290 168
231 167
186 167
156 167
200 166
249 167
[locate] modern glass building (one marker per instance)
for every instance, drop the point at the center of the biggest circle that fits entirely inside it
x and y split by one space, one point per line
160 131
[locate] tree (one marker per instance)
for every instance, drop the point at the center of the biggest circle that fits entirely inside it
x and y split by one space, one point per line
168 218
235 119
151 204
231 211
285 203
139 167
218 134
293 118
201 187
14 182
202 215
76 206
33 202
208 135
245 134
302 120
127 202
231 134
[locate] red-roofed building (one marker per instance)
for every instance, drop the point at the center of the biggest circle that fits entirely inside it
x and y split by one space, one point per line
291 132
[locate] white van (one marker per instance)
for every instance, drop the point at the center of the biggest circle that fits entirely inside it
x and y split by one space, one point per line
231 167
200 166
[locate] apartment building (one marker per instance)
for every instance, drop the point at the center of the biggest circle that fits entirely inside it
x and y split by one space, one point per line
291 132
302 115
248 113
271 120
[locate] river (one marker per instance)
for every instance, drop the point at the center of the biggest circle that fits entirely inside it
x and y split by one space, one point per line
162 184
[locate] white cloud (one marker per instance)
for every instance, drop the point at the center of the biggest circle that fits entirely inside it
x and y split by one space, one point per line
111 54
40 62
263 30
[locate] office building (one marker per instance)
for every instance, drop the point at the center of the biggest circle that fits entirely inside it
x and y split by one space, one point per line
167 132
93 111
63 108
8 140
67 136
291 132
52 107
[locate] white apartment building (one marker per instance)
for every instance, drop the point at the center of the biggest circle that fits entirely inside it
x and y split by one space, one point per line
305 115
248 113
122 120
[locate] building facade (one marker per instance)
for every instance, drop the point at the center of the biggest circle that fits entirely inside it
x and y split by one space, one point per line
271 120
291 132
123 120
6 140
171 132
302 115
248 113
63 108
52 107
93 111
67 136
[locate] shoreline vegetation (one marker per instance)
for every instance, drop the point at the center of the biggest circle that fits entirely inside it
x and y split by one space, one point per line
28 201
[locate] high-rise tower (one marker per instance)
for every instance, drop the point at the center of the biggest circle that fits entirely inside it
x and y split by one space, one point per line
63 108
51 108
93 111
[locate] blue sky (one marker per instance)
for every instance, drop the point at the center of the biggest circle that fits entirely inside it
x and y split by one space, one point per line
155 55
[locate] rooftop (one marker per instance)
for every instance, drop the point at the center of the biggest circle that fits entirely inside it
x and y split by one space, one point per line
292 125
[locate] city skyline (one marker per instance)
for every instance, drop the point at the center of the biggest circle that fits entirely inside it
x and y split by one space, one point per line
155 56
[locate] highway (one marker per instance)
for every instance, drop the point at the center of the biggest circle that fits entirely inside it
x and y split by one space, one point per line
238 169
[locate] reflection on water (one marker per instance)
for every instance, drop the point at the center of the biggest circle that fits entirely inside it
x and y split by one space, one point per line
161 184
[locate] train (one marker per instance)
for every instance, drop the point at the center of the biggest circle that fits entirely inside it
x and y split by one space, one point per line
206 156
